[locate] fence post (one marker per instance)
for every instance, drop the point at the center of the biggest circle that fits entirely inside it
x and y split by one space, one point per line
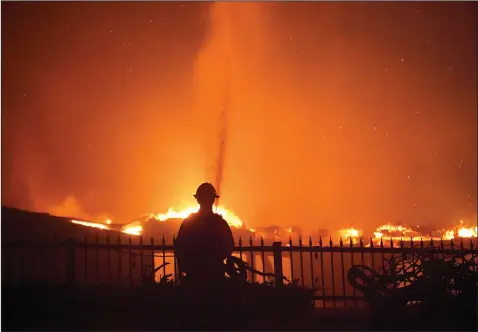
70 262
277 251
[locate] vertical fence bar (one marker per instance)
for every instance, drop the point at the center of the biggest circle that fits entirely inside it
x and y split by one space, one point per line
108 258
130 257
70 263
302 281
278 272
153 277
141 258
344 292
332 272
362 258
240 255
373 254
404 258
354 292
392 259
175 263
263 261
176 272
312 280
382 255
163 251
322 276
251 255
120 279
97 258
473 255
414 257
291 260
86 259
240 247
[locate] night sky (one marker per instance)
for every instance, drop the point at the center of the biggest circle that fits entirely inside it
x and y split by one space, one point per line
340 113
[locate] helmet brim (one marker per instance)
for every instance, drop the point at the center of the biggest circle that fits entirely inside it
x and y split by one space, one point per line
215 196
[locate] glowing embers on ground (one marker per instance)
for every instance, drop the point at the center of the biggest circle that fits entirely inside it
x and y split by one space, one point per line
136 227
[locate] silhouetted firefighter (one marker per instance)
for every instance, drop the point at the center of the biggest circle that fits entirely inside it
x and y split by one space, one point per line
204 241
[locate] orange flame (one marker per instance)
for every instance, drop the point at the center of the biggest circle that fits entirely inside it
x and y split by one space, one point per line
136 228
90 224
350 234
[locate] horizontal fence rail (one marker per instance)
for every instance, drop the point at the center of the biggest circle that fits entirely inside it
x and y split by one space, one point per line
321 268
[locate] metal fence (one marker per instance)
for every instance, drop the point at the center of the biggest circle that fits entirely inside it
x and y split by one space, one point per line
322 268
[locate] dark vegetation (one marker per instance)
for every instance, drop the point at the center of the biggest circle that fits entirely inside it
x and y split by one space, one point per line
432 291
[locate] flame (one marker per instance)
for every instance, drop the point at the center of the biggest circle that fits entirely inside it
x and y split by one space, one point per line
133 229
230 217
460 231
350 234
136 228
90 224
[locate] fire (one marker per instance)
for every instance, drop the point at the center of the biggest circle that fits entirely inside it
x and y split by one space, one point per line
90 224
132 229
135 228
350 234
230 217
460 231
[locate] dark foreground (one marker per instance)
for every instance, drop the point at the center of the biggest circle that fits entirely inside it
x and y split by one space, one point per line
167 308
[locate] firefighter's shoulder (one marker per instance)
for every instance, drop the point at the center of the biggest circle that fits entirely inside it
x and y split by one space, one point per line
219 218
190 218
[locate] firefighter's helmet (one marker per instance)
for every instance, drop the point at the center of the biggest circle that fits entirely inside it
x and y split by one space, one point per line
206 190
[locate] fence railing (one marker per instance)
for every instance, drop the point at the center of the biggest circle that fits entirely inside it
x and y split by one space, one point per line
321 268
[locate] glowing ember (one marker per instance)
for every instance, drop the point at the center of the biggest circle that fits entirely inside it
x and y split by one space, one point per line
90 224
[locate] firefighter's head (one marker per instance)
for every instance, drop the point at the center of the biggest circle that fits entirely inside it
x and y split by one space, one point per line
206 194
